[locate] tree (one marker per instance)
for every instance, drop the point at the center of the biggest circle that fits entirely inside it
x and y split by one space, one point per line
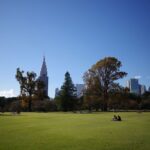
44 106
2 104
39 92
92 93
27 85
146 100
15 107
107 71
116 99
67 97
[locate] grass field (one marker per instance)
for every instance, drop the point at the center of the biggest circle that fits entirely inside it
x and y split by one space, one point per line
70 131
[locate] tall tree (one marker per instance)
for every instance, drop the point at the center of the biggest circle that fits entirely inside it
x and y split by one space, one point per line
40 93
27 85
92 92
107 71
67 95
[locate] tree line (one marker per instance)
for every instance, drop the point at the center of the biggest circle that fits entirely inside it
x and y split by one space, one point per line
101 92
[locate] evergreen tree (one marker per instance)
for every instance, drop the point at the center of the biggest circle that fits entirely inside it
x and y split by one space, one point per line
67 94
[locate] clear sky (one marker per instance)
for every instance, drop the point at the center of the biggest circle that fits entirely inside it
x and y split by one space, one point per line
73 35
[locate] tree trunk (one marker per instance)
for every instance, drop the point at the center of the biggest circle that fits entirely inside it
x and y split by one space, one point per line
30 104
105 105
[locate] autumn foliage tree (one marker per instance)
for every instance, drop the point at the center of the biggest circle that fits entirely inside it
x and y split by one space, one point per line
29 86
92 92
105 72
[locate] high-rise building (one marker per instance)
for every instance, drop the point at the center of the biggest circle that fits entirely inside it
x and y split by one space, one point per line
57 92
133 85
149 89
128 84
43 77
142 89
80 90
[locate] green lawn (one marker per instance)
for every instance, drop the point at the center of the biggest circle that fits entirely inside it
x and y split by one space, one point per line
70 131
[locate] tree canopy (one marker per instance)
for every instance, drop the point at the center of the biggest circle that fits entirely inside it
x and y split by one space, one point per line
29 86
67 94
106 72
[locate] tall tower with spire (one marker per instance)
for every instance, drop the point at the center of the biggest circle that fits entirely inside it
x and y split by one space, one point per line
43 76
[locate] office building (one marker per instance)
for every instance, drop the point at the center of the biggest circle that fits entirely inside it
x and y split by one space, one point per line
80 90
43 77
133 85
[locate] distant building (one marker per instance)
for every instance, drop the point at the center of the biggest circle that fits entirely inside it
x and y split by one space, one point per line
142 89
43 77
133 85
128 84
80 90
57 92
149 89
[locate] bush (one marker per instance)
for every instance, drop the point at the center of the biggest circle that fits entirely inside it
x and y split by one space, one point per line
44 105
15 107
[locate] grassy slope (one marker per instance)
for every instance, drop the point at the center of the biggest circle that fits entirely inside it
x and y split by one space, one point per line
67 131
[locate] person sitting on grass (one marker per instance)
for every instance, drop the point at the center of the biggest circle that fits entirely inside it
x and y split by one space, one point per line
119 118
115 118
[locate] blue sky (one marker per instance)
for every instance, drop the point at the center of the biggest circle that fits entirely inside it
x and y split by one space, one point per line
73 35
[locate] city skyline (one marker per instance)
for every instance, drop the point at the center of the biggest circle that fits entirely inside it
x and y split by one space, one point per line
73 35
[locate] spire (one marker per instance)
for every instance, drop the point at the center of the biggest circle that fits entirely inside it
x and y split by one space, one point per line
43 76
44 68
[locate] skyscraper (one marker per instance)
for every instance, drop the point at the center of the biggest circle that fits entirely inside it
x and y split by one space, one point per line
43 77
133 85
80 90
57 92
149 89
142 89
